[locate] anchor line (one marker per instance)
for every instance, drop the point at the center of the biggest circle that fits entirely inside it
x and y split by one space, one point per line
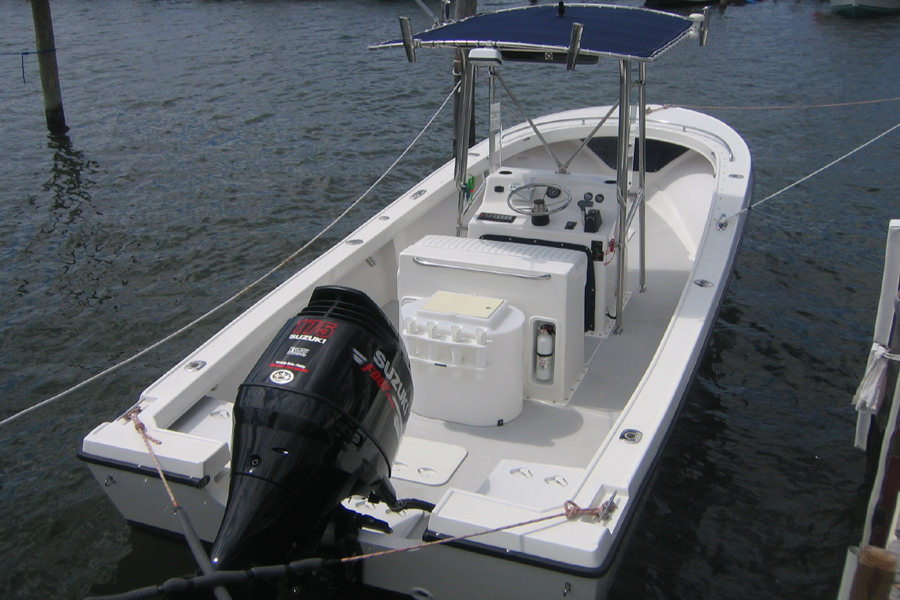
246 289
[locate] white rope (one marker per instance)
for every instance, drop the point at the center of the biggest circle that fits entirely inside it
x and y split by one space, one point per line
816 172
829 165
788 106
331 225
240 293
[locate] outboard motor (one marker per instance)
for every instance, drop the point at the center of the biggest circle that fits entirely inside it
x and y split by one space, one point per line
320 417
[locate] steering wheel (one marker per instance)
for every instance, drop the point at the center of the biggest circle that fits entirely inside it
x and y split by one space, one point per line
538 199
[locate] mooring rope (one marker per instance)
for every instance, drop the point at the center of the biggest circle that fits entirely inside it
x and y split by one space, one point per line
246 289
570 511
219 578
132 415
828 166
187 527
352 205
786 106
814 173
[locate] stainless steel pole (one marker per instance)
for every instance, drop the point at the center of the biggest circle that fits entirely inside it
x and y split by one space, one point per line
642 175
622 168
463 128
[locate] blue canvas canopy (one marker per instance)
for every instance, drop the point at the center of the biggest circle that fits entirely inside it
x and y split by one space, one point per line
614 31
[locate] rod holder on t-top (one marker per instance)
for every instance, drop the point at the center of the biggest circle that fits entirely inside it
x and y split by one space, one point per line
406 36
574 46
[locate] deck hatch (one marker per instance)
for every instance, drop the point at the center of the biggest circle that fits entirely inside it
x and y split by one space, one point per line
464 305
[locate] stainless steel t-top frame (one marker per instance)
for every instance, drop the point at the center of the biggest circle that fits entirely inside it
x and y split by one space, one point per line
629 192
631 138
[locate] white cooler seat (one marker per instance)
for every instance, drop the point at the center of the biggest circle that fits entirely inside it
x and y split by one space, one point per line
546 285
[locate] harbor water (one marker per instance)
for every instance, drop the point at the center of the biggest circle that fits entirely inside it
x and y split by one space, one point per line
210 140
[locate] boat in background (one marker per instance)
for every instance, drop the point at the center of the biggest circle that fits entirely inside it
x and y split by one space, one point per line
872 566
490 365
679 4
865 8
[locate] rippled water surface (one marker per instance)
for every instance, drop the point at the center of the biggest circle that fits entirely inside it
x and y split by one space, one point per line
209 140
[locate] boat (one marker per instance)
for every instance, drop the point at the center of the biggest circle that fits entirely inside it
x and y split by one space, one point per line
870 568
679 4
476 383
865 8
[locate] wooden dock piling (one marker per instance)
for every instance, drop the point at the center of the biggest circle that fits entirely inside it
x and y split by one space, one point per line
46 52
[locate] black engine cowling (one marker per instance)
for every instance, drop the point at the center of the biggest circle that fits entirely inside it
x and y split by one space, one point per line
319 417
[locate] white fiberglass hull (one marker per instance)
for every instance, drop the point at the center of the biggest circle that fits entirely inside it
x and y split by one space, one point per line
592 439
865 8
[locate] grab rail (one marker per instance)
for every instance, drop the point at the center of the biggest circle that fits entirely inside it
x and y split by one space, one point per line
428 263
696 130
